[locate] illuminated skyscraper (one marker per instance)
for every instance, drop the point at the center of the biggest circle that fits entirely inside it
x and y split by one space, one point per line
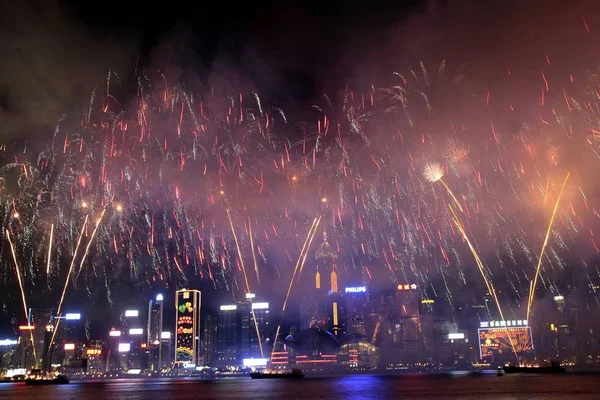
229 336
187 326
155 320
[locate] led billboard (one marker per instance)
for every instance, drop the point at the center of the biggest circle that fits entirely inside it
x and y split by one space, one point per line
496 342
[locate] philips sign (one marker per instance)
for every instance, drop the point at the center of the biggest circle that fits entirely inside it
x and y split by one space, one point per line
356 289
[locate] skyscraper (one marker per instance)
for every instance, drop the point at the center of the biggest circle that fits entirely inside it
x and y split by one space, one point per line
210 340
228 336
39 319
187 325
166 349
155 320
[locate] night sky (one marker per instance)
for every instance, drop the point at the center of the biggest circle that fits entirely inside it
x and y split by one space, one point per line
55 54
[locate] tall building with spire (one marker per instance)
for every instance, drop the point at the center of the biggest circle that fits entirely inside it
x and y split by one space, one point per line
322 306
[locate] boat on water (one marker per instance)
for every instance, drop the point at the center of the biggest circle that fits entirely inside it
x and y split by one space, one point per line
293 374
555 368
56 380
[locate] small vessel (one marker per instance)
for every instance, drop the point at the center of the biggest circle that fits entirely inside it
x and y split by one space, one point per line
555 368
293 374
56 380
500 371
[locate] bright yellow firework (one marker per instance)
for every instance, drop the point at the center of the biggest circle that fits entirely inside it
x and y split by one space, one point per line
253 253
539 265
303 252
237 245
62 297
479 263
14 255
434 172
87 247
50 249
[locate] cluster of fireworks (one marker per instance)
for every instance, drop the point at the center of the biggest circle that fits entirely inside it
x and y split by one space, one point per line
178 184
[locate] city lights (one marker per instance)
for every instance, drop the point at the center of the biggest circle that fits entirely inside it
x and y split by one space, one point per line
124 347
165 335
136 331
69 346
250 296
159 297
260 306
131 313
26 327
8 342
73 316
114 333
255 362
230 307
454 336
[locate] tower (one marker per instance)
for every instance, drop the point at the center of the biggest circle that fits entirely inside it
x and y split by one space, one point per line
326 277
187 303
154 344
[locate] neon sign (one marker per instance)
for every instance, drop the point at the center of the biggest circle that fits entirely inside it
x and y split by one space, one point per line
355 289
407 286
503 324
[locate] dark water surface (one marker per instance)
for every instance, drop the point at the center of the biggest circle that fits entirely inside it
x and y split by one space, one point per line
352 387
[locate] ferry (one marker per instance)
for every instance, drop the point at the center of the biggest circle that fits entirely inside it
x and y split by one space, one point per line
37 377
293 374
555 368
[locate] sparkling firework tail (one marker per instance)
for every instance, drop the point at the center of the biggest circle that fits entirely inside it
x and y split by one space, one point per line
239 251
451 195
62 297
49 250
253 252
479 263
539 265
311 233
87 247
14 255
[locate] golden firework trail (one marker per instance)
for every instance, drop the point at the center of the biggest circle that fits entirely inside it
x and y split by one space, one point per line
253 253
451 194
488 283
539 265
62 297
14 255
239 251
87 247
303 252
50 249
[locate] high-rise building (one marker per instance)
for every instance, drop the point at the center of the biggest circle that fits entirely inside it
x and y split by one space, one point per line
210 340
228 336
155 328
187 327
39 319
113 358
259 341
356 300
47 352
166 349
